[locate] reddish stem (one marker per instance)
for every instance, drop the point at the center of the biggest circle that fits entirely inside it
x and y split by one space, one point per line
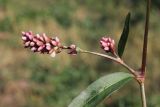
144 54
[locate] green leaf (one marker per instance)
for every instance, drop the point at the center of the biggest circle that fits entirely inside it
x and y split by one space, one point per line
100 89
124 36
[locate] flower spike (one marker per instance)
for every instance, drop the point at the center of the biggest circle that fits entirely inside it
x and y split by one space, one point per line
41 43
107 44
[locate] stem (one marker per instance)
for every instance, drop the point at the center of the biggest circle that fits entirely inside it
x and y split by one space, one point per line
143 96
118 60
144 54
99 54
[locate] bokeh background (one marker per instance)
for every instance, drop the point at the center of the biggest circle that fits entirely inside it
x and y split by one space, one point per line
33 80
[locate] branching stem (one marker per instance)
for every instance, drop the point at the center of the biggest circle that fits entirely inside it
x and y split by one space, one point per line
117 59
144 54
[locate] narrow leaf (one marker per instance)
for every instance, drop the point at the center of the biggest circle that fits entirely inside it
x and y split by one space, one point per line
124 36
100 89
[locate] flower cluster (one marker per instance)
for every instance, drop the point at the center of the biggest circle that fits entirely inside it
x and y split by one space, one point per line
41 43
44 44
107 44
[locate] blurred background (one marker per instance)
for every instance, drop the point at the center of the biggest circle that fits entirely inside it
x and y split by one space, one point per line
33 80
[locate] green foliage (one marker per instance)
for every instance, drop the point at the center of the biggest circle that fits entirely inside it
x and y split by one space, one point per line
3 3
100 89
6 25
62 12
124 36
28 14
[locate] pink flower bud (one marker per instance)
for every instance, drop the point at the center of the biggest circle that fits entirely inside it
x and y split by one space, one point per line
57 39
39 43
27 44
29 35
107 44
41 38
72 49
24 38
41 48
46 38
53 42
33 49
32 43
38 36
23 33
48 46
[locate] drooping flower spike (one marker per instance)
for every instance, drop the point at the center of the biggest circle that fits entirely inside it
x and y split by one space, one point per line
41 43
44 44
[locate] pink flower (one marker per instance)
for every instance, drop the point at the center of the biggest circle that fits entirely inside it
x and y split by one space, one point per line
72 49
107 44
41 43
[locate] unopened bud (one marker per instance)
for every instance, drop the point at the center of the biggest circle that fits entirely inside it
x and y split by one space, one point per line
107 44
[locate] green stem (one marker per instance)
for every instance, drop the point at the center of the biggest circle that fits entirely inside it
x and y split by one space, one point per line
143 96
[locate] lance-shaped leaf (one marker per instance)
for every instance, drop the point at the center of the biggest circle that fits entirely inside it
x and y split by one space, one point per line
100 89
124 36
